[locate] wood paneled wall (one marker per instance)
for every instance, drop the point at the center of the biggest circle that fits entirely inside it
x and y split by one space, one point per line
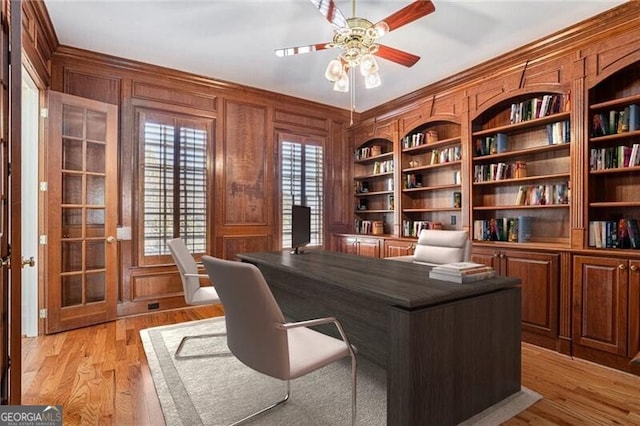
243 199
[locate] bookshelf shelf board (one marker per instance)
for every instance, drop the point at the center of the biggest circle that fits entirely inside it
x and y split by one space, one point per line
368 194
537 122
605 204
544 244
361 234
522 152
432 166
376 175
431 188
524 207
616 102
430 146
522 180
615 136
436 209
372 211
616 170
385 156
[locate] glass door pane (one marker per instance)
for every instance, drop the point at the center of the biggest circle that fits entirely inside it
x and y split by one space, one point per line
83 257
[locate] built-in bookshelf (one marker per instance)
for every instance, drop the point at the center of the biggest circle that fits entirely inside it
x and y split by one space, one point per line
614 161
520 171
431 178
374 184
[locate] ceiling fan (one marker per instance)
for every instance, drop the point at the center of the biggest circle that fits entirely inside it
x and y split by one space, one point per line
357 38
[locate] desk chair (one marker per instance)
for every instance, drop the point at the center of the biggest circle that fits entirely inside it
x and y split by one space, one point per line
438 246
258 335
194 294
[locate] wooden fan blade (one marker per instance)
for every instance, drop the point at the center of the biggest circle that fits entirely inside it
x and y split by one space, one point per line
289 51
397 56
409 13
331 12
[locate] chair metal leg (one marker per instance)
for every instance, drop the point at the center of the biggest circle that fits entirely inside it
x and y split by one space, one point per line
354 383
200 336
264 410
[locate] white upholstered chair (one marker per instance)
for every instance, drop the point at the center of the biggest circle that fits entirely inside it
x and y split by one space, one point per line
194 294
258 335
438 246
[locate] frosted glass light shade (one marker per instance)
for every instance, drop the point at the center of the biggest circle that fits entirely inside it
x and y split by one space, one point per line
334 70
368 65
342 84
372 80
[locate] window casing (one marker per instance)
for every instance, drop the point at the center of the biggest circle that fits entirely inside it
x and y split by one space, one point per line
301 182
173 197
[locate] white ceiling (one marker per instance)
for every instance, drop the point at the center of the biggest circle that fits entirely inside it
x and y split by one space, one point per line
234 40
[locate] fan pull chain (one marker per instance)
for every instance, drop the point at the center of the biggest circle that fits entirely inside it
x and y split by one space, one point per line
353 93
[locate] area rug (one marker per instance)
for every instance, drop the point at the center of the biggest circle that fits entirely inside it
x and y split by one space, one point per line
216 391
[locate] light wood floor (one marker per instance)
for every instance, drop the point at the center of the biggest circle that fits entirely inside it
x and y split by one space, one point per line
100 376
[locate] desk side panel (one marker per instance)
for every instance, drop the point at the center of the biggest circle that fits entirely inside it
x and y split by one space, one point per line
450 362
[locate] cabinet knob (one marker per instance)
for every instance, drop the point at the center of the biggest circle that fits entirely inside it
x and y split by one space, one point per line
495 254
622 266
634 268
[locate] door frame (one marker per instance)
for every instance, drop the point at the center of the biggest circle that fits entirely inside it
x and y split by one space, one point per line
30 203
15 192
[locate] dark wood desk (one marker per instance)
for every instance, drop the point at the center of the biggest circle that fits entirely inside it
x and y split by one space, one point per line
450 350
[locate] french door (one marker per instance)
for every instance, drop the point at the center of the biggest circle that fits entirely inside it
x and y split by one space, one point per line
82 203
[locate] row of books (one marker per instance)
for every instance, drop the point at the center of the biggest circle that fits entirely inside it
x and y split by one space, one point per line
446 155
541 195
412 228
621 233
492 144
499 171
514 229
557 133
366 226
538 108
383 167
614 157
368 151
616 121
420 138
462 272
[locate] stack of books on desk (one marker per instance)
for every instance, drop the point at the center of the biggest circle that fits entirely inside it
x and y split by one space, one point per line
462 272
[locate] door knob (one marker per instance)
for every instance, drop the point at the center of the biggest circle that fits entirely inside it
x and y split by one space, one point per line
30 261
110 239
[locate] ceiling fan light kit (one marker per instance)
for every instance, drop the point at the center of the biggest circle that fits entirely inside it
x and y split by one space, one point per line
357 39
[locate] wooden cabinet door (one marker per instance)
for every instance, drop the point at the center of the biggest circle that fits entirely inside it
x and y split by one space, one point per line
487 256
540 276
347 245
600 292
82 203
369 247
393 248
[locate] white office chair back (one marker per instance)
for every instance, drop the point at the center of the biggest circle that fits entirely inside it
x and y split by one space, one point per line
187 266
251 314
436 246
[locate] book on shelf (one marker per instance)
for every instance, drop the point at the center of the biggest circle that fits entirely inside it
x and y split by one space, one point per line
634 236
634 118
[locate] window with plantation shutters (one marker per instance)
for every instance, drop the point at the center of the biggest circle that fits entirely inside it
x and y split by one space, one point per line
174 183
301 178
